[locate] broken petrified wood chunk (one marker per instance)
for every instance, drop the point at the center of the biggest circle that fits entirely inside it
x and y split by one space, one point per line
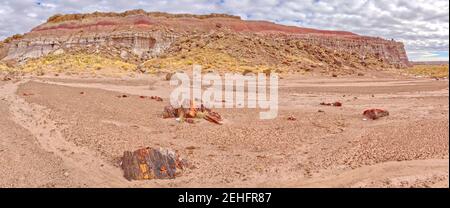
192 112
190 120
169 76
157 98
336 104
375 113
213 117
291 118
170 112
27 94
149 163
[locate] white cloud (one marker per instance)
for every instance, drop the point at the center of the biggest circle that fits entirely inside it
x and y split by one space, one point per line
428 56
423 25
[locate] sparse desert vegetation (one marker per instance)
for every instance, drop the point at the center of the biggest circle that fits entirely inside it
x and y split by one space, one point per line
77 63
436 71
209 59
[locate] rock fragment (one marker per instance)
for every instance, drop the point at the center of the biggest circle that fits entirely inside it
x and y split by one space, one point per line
336 104
170 112
159 99
291 118
375 114
27 94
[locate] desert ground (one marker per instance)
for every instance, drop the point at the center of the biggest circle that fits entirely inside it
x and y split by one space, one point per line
69 131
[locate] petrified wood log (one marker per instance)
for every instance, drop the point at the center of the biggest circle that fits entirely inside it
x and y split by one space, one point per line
149 163
375 113
192 112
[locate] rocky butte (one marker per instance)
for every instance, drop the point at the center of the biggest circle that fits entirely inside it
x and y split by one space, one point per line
154 40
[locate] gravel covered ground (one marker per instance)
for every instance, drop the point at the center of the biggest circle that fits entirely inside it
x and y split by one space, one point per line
72 132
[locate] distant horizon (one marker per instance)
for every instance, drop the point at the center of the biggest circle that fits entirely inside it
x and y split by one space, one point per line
421 26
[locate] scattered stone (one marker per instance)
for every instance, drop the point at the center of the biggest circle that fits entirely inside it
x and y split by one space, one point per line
291 118
81 93
336 104
169 76
66 174
159 99
58 51
6 78
149 163
124 55
40 73
27 94
140 68
375 114
320 111
170 112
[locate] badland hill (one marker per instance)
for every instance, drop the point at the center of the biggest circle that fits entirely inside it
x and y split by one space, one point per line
153 41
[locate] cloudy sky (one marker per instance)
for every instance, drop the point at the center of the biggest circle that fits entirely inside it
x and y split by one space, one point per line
423 25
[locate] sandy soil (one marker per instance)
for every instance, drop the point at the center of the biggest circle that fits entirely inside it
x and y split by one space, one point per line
52 135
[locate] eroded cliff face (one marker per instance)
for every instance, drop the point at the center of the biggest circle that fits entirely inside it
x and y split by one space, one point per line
142 45
140 37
